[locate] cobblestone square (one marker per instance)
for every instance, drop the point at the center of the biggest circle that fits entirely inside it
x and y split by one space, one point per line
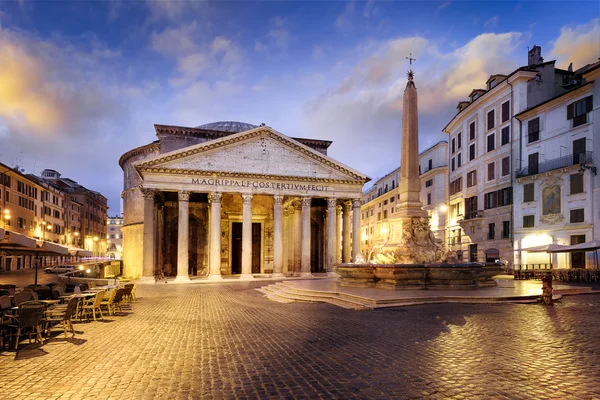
228 341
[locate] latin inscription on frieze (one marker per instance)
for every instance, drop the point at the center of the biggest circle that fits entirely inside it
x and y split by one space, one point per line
259 185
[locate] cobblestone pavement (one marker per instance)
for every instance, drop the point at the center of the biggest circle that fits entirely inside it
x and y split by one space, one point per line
228 341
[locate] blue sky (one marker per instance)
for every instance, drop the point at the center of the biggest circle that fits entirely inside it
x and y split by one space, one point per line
83 82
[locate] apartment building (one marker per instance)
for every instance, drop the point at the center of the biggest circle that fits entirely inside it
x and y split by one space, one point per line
114 237
482 158
556 188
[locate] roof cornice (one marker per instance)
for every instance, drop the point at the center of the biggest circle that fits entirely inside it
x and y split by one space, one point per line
550 103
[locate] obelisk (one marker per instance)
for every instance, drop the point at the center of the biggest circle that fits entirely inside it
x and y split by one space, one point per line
409 186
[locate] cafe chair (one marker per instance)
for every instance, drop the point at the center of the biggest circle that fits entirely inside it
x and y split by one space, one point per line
62 316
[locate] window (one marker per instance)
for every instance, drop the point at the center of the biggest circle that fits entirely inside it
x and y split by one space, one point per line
576 184
579 151
453 145
392 199
533 130
428 199
454 210
578 110
430 163
491 120
429 183
384 214
505 166
505 135
459 140
577 215
459 160
472 131
491 170
378 216
533 161
491 231
491 142
505 229
505 196
472 152
471 207
490 200
505 111
528 221
471 178
453 162
455 186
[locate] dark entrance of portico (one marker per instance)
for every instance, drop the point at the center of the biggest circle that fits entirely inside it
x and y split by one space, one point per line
236 247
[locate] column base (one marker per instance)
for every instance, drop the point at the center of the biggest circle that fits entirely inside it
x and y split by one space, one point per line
182 279
306 275
244 277
146 280
215 277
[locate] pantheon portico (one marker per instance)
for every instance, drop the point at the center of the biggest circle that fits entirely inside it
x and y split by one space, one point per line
229 198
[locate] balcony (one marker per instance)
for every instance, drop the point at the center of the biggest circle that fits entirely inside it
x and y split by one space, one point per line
474 214
561 162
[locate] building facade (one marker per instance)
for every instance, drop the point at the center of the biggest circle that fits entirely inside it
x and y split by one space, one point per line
114 237
482 159
232 198
380 223
556 188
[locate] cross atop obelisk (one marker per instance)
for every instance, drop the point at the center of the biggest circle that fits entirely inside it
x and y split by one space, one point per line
410 71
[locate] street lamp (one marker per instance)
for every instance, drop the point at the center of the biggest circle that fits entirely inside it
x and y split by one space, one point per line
6 216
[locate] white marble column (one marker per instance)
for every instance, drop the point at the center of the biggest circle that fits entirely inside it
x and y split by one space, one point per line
355 228
277 236
346 245
331 236
247 237
286 241
214 255
148 238
297 232
338 234
305 266
183 229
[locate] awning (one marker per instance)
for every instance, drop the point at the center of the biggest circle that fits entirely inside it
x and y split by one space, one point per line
588 246
53 247
77 252
12 239
547 248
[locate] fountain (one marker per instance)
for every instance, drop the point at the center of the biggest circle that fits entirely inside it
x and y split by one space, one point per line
418 261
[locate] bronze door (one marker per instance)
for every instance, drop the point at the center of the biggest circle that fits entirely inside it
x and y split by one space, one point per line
256 243
236 248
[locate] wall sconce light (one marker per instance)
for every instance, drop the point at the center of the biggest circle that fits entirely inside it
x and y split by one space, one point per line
583 167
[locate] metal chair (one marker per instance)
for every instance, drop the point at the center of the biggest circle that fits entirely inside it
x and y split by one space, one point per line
93 305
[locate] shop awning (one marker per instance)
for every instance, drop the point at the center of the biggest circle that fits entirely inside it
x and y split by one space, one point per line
547 248
588 246
77 252
12 239
53 247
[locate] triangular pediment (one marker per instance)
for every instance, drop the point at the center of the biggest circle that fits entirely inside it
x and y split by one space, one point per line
261 151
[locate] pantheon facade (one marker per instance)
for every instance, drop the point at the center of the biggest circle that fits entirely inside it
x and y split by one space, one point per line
230 198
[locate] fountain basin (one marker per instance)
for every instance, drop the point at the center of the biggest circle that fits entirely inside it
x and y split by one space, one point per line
419 276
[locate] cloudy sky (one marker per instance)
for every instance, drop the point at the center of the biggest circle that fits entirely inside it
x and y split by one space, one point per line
81 83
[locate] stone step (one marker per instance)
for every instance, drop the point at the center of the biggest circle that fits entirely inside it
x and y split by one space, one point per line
288 292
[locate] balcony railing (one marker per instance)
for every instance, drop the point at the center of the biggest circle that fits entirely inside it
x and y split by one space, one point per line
474 214
561 162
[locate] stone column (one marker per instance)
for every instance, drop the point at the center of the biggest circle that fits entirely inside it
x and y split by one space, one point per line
297 231
338 234
247 237
214 254
331 240
148 238
346 245
355 228
286 241
277 236
305 266
183 229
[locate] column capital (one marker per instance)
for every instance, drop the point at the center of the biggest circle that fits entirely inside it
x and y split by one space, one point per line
306 201
356 203
247 198
147 193
277 200
338 210
184 195
215 197
331 202
347 205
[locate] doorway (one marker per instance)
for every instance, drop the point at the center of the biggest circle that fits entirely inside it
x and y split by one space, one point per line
577 257
236 247
472 253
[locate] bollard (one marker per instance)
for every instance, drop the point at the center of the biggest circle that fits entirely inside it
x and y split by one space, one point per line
547 289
